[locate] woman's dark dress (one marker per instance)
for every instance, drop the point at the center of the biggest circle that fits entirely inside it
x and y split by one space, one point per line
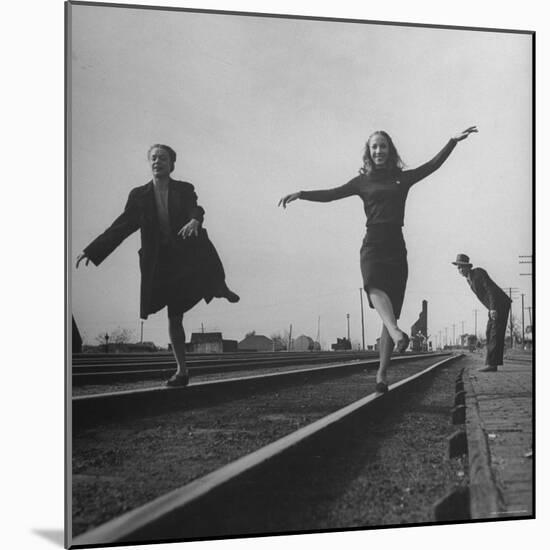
383 255
175 272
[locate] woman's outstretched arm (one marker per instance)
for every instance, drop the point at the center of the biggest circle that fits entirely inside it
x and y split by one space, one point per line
121 228
322 195
432 165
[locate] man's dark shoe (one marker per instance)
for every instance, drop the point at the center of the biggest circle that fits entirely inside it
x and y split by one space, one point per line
488 368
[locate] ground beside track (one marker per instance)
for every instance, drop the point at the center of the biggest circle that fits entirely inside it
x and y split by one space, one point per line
118 468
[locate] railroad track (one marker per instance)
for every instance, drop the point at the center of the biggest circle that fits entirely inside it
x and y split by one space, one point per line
89 410
224 488
98 358
109 370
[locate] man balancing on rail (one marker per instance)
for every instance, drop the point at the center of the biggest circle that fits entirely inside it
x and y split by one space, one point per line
498 304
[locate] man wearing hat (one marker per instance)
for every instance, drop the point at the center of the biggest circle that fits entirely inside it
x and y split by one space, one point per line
498 304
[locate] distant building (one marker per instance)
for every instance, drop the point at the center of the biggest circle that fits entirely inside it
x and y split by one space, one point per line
303 343
210 344
341 344
206 342
419 342
77 339
471 342
419 331
230 345
256 342
278 345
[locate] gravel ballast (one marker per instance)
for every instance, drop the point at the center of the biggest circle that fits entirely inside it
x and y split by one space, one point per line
117 468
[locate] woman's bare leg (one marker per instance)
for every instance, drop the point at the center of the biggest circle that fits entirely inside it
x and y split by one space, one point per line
391 333
382 303
177 339
385 348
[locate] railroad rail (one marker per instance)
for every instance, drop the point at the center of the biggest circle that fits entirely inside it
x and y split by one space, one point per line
92 409
212 504
109 370
99 358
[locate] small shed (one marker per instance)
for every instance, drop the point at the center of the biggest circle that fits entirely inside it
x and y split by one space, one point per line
256 342
206 342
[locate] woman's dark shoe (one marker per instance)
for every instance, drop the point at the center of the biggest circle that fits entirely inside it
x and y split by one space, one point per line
381 387
178 381
403 343
230 296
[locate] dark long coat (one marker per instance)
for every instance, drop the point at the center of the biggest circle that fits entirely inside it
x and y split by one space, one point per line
141 213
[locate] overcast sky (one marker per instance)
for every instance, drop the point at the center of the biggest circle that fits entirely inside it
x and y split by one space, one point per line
260 107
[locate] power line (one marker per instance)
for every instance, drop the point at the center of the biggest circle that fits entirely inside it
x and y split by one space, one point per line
528 261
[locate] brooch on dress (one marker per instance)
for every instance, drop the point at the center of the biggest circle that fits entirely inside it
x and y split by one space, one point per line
397 181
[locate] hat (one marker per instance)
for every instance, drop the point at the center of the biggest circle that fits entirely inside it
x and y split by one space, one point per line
462 259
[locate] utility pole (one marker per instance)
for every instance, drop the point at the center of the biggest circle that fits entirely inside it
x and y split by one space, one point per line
529 310
440 346
202 328
454 337
510 290
511 329
462 333
362 318
347 316
319 331
141 337
522 322
446 341
290 337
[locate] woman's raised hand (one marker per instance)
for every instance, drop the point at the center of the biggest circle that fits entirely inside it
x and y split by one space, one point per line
465 133
81 257
289 198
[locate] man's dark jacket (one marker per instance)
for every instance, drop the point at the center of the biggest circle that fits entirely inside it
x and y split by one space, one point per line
141 213
488 292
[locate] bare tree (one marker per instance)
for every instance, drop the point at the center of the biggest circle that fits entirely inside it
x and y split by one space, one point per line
117 336
280 341
121 336
355 344
516 328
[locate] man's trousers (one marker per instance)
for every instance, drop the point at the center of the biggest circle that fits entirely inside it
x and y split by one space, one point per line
496 333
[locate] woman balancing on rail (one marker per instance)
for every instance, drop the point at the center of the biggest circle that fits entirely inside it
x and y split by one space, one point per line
383 185
179 265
